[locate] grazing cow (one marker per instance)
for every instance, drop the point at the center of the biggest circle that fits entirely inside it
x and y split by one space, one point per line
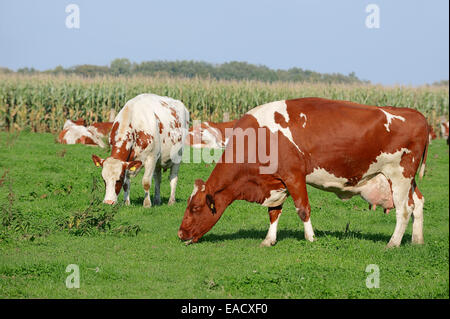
208 134
149 131
337 146
77 133
444 129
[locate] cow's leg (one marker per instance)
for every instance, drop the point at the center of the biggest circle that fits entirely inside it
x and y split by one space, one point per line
173 182
271 238
297 189
400 189
126 189
417 230
157 178
147 180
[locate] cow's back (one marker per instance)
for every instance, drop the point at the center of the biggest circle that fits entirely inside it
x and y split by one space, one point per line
148 123
341 137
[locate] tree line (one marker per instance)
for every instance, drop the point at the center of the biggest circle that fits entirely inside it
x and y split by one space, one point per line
226 71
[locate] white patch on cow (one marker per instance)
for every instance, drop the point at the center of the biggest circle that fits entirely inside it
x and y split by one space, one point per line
323 179
193 192
211 137
373 186
276 198
417 231
67 124
265 116
389 118
271 237
112 168
309 232
302 115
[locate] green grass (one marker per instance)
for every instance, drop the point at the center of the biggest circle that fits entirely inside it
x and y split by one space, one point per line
227 262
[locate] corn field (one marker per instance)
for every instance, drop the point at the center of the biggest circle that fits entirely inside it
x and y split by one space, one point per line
42 102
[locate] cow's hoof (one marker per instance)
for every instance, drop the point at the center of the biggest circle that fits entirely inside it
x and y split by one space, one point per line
310 238
268 243
392 244
171 202
157 201
147 203
417 241
127 202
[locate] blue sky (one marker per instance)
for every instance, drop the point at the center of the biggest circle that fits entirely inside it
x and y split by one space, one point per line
411 46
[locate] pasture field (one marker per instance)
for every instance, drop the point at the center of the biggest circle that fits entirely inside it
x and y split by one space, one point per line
50 218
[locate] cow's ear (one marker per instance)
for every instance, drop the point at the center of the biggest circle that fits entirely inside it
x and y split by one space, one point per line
211 204
200 185
134 165
97 160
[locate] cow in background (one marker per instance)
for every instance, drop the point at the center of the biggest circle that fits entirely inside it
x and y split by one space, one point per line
77 133
208 135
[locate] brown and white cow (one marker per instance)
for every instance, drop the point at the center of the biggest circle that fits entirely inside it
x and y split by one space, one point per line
77 133
337 146
149 131
208 135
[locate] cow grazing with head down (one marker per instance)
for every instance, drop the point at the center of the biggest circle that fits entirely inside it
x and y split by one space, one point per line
149 131
208 135
337 146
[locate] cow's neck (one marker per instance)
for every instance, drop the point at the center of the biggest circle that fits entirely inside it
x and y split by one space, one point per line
226 184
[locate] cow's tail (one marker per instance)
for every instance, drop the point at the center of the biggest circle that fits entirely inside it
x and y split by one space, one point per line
424 159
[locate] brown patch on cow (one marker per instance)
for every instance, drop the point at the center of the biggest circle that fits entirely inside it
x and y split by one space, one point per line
61 138
409 168
274 212
103 127
143 139
279 119
160 125
112 135
176 120
125 187
146 186
81 122
163 103
85 140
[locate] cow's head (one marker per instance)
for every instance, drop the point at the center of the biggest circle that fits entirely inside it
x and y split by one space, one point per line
113 173
200 215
